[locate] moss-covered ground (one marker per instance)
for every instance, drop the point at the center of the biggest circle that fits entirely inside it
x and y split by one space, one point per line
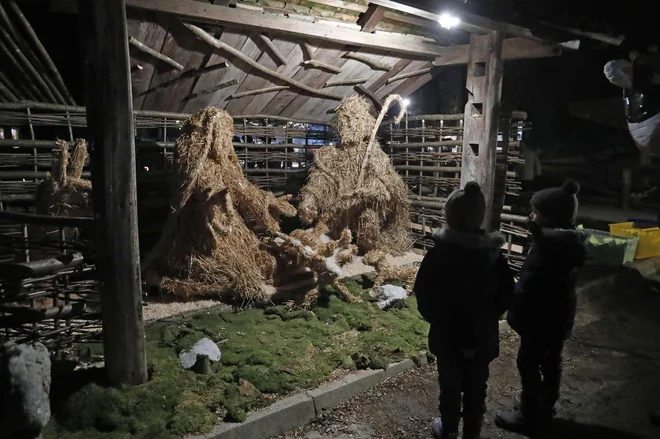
276 350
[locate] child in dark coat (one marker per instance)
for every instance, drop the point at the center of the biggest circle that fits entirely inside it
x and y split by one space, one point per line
463 287
544 305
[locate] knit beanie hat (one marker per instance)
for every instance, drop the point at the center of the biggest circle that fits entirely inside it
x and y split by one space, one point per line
465 208
559 205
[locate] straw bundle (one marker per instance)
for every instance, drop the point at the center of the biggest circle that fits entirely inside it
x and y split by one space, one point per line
354 186
388 272
302 272
63 192
209 245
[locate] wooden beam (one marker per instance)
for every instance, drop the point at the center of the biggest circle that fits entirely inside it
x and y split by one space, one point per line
199 12
512 48
370 19
112 137
484 85
463 25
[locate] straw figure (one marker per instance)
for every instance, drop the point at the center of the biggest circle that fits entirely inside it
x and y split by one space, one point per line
388 272
63 192
209 245
302 272
354 186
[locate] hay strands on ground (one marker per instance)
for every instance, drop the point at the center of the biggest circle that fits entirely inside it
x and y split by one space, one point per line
212 41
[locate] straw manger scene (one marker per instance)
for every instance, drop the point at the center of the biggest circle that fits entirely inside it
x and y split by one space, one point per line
64 192
223 239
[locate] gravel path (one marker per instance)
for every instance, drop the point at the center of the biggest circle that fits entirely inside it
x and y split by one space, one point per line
611 379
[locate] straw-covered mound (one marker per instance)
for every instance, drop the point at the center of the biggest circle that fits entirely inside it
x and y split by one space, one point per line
354 186
303 272
209 246
64 192
388 272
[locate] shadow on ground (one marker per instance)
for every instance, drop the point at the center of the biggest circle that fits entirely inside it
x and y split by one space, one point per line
611 379
565 429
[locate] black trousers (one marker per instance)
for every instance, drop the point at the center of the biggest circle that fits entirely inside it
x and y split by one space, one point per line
462 379
540 365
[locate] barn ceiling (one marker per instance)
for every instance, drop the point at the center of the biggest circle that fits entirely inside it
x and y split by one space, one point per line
266 57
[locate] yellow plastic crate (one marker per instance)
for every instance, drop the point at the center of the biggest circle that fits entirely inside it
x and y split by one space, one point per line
649 239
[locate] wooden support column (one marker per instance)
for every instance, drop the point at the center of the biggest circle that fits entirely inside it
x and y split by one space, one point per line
484 86
112 139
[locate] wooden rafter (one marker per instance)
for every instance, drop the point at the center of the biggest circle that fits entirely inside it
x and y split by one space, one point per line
371 95
370 19
370 61
410 75
274 50
219 15
207 38
512 48
156 54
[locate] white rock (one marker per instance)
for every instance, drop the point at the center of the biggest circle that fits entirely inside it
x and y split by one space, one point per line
325 239
389 293
204 346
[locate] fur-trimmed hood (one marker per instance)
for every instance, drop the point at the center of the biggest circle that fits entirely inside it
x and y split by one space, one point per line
479 240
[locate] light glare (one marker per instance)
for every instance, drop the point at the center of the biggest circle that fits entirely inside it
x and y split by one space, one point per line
448 21
406 102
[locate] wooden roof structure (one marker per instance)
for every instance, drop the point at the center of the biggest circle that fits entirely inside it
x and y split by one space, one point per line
293 59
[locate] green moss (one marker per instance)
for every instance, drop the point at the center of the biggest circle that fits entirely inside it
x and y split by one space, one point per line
277 350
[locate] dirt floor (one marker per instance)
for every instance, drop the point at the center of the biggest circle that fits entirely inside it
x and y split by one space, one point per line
611 380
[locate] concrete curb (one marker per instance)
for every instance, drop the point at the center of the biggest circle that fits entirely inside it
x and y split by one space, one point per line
301 409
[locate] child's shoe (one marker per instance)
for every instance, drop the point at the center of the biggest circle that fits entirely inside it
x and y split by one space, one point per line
439 432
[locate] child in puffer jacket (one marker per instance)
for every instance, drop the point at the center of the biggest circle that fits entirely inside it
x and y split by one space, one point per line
544 305
463 286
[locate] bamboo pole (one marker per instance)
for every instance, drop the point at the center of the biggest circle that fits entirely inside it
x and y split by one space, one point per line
212 41
30 89
41 50
11 44
19 40
148 50
7 88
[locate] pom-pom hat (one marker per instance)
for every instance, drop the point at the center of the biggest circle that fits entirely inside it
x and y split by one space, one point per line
558 205
465 208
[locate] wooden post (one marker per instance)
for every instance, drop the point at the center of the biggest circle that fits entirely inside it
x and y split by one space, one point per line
484 85
112 138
